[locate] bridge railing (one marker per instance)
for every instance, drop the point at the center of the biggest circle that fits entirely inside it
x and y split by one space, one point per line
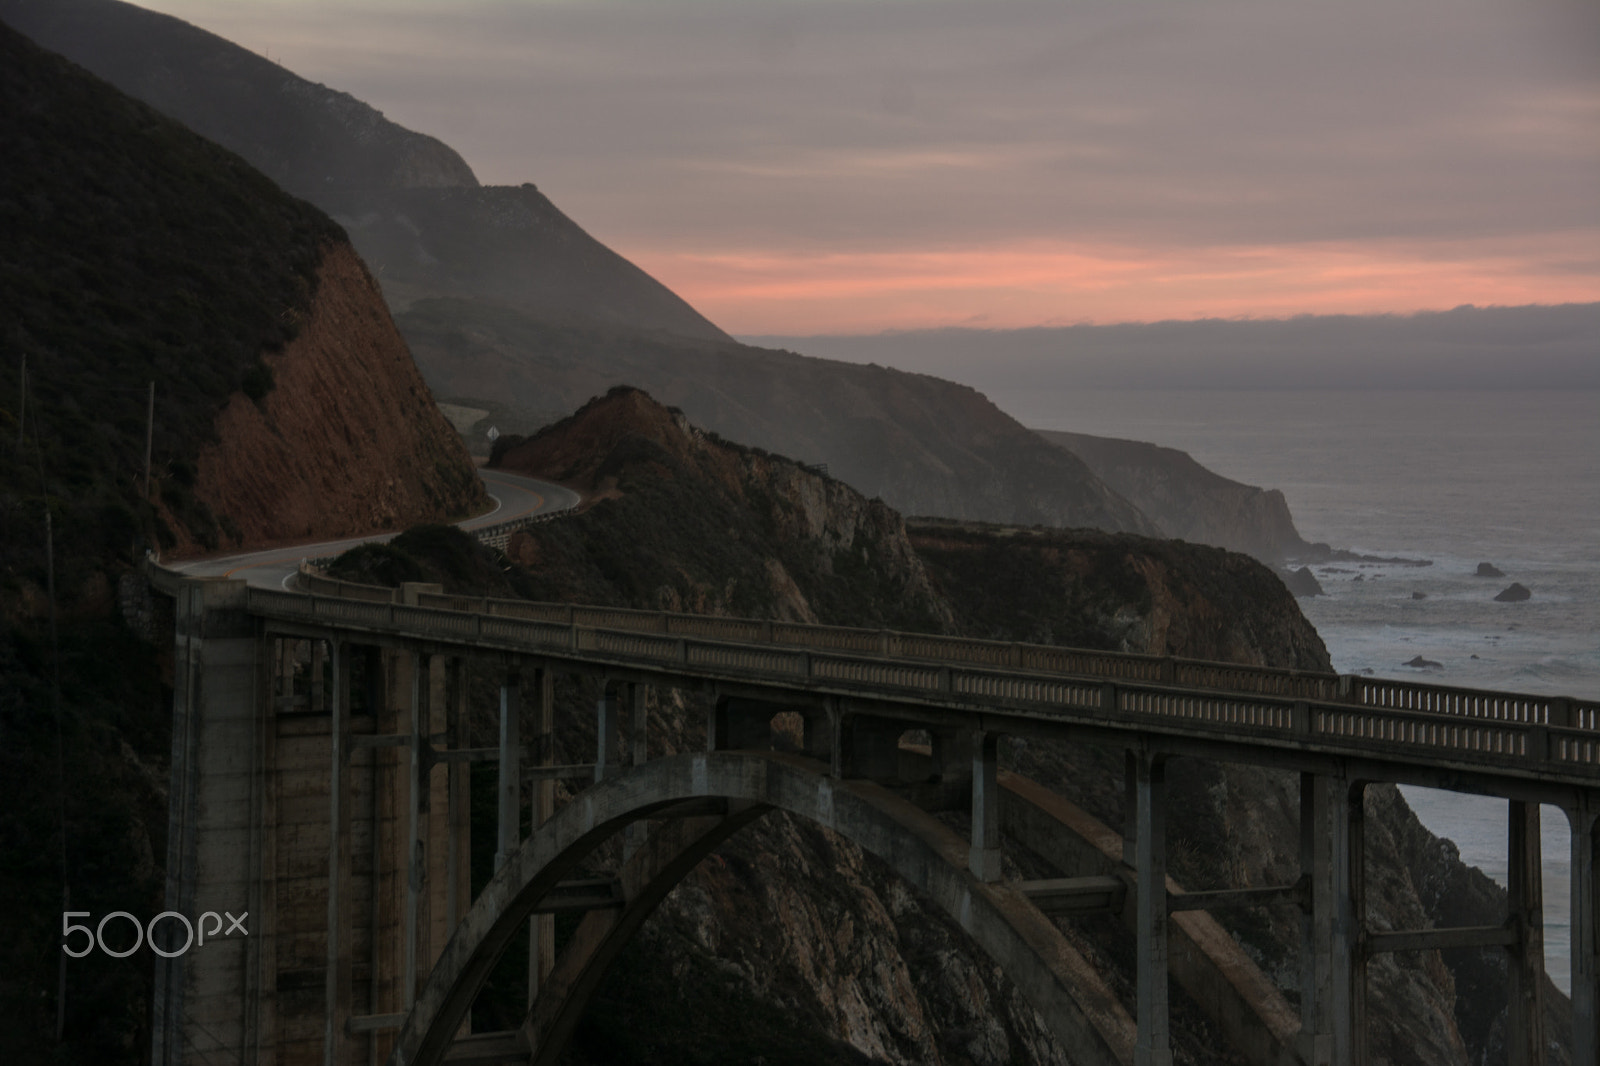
1482 704
1491 729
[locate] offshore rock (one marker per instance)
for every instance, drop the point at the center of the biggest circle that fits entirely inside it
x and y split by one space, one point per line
1303 582
1515 593
1489 570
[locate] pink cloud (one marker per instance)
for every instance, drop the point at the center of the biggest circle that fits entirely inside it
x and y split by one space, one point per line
1032 284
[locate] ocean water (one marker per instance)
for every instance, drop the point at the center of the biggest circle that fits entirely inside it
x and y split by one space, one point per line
1454 477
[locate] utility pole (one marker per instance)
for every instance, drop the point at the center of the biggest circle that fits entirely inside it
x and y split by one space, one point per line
149 437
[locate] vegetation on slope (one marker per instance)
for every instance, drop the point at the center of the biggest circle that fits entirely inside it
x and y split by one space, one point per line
131 251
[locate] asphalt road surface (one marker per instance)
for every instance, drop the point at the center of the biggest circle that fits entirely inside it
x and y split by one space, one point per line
514 496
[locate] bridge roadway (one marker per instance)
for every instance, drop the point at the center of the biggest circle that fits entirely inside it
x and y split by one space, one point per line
859 692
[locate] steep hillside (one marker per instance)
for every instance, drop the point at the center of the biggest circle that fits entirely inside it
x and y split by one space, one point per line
412 206
924 445
286 403
310 139
507 300
1188 501
133 250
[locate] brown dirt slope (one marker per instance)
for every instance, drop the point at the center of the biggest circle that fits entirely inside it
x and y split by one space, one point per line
348 441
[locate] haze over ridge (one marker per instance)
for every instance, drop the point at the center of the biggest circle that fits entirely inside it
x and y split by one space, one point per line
1530 347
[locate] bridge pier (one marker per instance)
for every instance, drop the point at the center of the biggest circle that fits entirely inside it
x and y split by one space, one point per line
220 746
1315 1044
1525 1042
1348 979
608 730
509 790
341 932
1149 817
542 927
983 859
1584 818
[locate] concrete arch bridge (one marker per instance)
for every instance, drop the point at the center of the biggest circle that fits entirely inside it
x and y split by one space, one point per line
320 778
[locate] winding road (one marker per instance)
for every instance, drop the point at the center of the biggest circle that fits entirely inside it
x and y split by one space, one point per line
514 496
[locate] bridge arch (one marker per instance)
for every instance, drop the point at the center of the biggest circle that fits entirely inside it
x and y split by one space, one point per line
1072 998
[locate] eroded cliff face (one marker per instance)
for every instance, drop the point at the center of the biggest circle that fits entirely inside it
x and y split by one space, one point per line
348 440
1188 501
685 521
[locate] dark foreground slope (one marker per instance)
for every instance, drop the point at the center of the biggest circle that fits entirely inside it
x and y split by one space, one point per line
508 303
133 250
791 938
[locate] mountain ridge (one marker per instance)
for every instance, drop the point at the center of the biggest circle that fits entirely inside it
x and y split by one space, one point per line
502 297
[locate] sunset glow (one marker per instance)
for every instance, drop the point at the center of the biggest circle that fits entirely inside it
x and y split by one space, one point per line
827 166
1032 285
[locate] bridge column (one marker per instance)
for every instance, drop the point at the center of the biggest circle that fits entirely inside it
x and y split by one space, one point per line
984 857
509 790
416 825
341 898
1315 1043
608 731
634 836
1149 818
221 737
315 695
458 884
542 927
1585 933
1525 1043
1348 959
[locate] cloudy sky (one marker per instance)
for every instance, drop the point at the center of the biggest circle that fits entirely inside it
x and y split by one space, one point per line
826 166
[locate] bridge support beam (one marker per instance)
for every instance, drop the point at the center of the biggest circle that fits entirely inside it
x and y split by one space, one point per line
1348 983
509 790
1525 1043
984 858
341 931
1316 921
1585 933
542 927
608 731
1149 817
634 836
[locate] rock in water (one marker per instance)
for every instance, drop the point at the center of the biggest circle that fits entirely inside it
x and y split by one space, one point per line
1419 595
1423 664
1489 570
1303 582
1515 594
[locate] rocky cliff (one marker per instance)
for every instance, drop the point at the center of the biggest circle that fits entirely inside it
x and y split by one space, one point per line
1188 501
793 945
